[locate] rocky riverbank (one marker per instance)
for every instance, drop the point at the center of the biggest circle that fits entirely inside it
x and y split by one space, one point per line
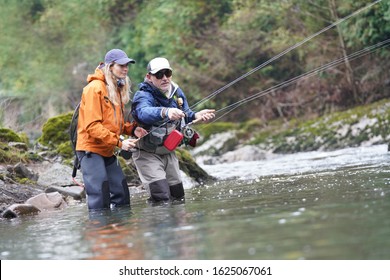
32 187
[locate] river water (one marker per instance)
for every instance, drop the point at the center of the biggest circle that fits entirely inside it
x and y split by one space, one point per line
317 205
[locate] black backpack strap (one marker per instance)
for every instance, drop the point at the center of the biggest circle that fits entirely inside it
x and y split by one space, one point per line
73 138
76 165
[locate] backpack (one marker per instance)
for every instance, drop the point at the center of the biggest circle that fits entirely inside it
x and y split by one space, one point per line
73 139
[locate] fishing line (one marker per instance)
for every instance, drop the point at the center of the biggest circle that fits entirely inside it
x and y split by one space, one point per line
308 74
215 93
268 62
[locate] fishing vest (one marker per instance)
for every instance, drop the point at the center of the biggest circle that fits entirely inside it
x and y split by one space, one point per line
163 137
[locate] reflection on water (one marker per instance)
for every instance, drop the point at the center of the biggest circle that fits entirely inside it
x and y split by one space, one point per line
168 232
326 213
111 237
153 233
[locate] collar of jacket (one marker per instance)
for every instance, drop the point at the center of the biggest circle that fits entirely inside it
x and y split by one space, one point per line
147 86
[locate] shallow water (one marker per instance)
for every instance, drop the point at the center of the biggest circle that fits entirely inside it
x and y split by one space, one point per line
319 205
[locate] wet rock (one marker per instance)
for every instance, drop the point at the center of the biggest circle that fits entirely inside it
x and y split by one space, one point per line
21 171
217 144
245 153
76 192
191 168
188 182
16 210
57 174
11 192
47 201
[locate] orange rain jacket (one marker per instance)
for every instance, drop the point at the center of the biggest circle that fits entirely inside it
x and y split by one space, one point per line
100 122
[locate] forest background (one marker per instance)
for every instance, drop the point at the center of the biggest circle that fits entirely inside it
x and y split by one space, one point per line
48 47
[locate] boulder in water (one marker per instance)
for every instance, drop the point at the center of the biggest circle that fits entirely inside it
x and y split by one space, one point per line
16 210
48 201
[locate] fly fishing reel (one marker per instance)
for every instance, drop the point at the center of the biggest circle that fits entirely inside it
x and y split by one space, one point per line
188 132
190 136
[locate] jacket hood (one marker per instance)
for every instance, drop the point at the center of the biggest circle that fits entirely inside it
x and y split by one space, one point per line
98 75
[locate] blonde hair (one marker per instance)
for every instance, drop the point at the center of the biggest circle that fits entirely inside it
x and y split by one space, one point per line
112 88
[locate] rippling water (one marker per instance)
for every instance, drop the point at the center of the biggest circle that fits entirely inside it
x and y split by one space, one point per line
319 205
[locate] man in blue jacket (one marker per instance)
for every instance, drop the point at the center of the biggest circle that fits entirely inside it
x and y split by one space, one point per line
161 107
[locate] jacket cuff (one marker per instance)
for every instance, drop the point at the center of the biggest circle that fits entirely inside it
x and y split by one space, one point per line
164 113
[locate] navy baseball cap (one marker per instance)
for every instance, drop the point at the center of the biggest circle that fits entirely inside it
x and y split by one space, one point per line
118 56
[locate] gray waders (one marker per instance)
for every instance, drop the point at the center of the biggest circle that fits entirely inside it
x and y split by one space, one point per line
104 181
161 174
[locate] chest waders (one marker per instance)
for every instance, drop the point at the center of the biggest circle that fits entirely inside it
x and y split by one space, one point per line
161 174
105 183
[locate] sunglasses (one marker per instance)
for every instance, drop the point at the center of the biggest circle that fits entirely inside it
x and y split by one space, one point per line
160 74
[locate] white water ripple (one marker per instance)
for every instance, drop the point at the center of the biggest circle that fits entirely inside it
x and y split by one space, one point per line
300 163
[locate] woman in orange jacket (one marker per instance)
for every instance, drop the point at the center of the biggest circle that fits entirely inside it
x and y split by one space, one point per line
101 122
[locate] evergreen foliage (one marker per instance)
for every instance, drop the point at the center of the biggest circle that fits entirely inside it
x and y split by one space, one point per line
50 46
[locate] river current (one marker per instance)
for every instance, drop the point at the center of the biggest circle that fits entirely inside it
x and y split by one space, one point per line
317 205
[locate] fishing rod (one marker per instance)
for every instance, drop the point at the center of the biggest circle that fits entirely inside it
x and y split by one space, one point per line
306 75
218 91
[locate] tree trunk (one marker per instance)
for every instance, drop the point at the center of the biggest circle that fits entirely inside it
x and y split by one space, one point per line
349 70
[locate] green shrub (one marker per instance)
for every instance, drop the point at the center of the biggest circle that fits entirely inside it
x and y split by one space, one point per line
56 130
